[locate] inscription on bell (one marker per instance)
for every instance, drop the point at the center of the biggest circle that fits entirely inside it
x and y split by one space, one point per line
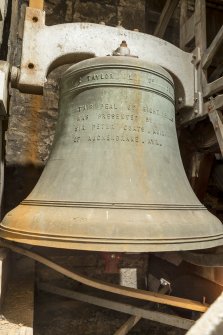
123 106
124 78
96 106
97 76
122 123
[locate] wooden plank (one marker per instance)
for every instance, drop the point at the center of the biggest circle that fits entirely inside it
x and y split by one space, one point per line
215 118
200 25
188 116
210 52
18 307
116 289
133 320
128 325
187 30
213 87
167 319
200 38
218 101
38 4
183 19
165 17
218 72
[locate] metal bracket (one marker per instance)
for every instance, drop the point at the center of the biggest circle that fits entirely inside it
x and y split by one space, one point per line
46 47
198 103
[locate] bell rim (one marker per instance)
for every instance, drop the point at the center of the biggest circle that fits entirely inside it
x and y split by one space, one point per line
111 245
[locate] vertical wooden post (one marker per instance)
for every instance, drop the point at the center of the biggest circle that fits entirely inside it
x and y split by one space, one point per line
39 4
200 25
183 19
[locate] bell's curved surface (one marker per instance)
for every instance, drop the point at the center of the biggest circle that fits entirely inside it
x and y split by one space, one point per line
114 180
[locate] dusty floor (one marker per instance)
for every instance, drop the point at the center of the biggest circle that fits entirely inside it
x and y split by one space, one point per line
60 316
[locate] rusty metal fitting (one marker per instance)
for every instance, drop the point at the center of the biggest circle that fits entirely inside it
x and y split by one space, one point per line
122 50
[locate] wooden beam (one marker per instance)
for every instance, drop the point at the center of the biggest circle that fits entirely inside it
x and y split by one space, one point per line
133 320
213 87
188 116
183 19
200 38
200 25
218 72
213 103
128 325
216 119
187 30
116 289
167 319
210 52
165 17
38 4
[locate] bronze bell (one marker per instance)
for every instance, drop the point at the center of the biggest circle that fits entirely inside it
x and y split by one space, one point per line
114 180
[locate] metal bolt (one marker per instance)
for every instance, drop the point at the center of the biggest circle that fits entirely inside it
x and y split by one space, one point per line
180 100
119 24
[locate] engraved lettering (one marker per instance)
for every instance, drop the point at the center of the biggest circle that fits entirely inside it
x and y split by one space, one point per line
98 76
102 126
76 139
134 128
82 118
79 128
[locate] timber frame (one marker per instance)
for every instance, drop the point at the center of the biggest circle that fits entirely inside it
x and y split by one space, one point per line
208 94
210 97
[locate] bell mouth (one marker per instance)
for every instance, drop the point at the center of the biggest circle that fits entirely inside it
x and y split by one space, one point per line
99 229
